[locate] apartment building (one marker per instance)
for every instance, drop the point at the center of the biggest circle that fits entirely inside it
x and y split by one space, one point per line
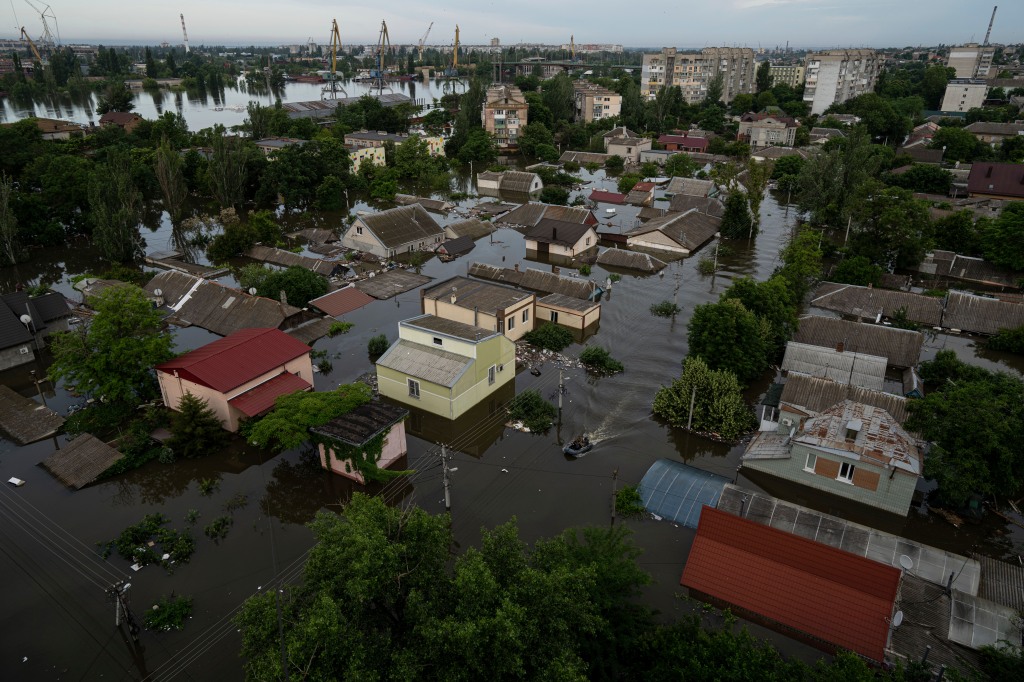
593 103
787 74
964 94
693 71
834 76
504 113
971 60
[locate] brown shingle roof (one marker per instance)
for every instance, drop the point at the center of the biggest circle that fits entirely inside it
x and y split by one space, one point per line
401 225
81 461
1004 179
901 347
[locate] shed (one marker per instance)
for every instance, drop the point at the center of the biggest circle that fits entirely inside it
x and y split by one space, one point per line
568 311
678 492
356 429
474 228
902 347
858 369
456 247
342 301
630 260
81 461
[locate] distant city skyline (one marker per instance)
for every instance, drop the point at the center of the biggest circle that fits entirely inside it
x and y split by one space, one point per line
749 23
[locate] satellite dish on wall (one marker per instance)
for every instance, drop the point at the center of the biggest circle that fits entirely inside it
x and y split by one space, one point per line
897 620
158 292
906 562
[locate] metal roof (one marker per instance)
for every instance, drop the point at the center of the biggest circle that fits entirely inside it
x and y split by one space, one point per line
878 437
81 461
391 283
537 280
342 301
681 203
423 362
818 394
529 214
854 368
1002 582
869 302
473 293
577 305
288 259
997 178
259 399
678 491
794 582
236 359
901 347
980 314
457 246
458 330
693 187
474 228
363 423
13 332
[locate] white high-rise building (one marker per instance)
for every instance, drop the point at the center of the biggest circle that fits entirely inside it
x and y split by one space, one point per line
971 60
694 71
834 76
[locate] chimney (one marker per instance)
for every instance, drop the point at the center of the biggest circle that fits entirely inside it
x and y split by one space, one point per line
840 347
284 298
516 267
554 233
454 296
476 316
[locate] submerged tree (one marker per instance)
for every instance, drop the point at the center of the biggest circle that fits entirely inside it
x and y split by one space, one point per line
227 168
195 429
170 175
758 175
716 398
116 206
8 222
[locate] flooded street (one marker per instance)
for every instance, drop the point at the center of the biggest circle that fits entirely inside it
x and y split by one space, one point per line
56 577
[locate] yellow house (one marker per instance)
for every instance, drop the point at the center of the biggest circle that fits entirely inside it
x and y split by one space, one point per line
445 367
371 155
495 307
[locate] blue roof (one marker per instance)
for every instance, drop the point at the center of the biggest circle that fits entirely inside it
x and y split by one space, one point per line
677 491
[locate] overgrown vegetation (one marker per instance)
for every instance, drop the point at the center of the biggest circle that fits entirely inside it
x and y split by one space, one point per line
533 411
377 346
148 541
339 328
218 528
717 399
628 502
169 613
665 309
287 425
597 359
550 337
1008 340
195 429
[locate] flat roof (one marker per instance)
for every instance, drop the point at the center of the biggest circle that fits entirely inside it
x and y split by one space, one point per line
458 330
473 293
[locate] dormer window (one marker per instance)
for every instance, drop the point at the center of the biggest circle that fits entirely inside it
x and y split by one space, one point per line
853 428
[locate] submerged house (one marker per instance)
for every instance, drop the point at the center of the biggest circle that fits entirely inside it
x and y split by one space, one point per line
851 450
396 231
26 322
356 433
496 307
239 376
445 367
680 233
560 238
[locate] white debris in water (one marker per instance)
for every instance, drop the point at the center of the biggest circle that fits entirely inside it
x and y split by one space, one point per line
504 471
656 517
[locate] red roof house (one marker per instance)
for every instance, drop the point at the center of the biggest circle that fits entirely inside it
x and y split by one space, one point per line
601 195
342 301
126 120
824 596
240 375
996 180
684 143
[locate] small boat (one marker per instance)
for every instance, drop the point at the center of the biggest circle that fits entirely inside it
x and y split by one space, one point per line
580 446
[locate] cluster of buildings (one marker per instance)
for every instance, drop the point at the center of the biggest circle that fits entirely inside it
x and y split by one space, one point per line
363 146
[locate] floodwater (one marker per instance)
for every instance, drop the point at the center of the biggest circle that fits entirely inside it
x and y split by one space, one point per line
55 579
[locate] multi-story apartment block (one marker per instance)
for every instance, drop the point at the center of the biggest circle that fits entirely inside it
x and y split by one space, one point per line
693 71
964 94
504 113
787 74
835 76
970 60
593 103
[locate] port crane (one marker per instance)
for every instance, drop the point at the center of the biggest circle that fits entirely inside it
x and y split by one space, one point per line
333 87
378 77
31 45
451 74
46 15
184 33
423 41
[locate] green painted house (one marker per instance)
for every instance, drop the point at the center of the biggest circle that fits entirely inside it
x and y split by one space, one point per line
851 450
445 367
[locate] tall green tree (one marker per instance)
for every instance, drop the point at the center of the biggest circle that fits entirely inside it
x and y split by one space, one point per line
111 357
716 88
116 207
764 77
736 220
195 429
1004 238
716 396
557 93
959 144
8 223
832 182
287 425
169 167
227 168
117 97
892 228
729 337
758 175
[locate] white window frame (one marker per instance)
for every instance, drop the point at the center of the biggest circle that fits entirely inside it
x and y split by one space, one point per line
511 322
526 315
359 229
491 374
810 462
845 474
414 388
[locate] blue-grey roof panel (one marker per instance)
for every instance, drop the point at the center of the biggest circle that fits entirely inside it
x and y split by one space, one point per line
677 491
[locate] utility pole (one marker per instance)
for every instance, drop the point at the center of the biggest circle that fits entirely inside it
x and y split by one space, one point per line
615 476
693 399
447 491
118 592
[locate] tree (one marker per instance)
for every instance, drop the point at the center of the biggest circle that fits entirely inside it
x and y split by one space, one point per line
627 182
116 206
195 429
758 175
227 169
116 98
772 301
533 135
973 418
736 220
959 144
892 228
857 270
831 182
1004 240
478 147
169 173
717 399
8 223
287 425
681 165
553 194
729 337
111 358
557 94
764 76
933 84
801 260
716 89
959 233
921 177
298 285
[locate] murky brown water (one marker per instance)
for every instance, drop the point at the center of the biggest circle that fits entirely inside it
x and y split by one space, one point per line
64 625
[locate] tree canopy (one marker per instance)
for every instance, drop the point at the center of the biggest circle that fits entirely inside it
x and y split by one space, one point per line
729 337
287 425
718 405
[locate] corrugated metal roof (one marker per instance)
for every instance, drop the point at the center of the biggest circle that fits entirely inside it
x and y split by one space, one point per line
583 157
1001 582
528 215
578 305
681 203
878 438
391 283
678 491
440 325
868 302
342 301
536 280
980 314
430 204
311 330
517 181
259 399
901 347
81 461
858 369
630 260
794 582
693 187
423 362
472 293
691 229
401 225
474 228
818 394
288 259
240 357
363 423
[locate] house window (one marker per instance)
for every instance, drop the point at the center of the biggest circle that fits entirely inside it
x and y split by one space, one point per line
501 326
437 341
359 229
588 241
414 389
511 322
846 472
554 316
490 374
526 315
812 459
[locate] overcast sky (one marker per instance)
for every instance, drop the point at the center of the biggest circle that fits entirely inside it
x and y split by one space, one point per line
804 23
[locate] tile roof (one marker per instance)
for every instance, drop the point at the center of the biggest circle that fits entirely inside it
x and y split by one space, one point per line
401 225
880 438
548 231
849 367
699 143
342 301
607 197
690 230
362 424
236 359
681 203
423 362
794 582
473 293
819 394
458 330
980 314
901 347
81 461
1005 179
868 302
259 399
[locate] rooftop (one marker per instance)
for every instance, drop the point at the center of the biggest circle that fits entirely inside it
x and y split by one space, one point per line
342 301
425 362
362 424
1004 179
473 293
401 225
81 461
901 347
557 232
878 438
577 305
859 369
261 398
457 330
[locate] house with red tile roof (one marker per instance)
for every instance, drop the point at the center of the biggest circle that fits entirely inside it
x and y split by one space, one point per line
823 596
239 376
125 120
684 143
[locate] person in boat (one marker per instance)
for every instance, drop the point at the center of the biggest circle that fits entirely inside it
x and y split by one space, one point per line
580 443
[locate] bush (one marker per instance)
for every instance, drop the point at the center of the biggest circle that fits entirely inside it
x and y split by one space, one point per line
597 359
218 528
1009 340
571 167
628 502
858 270
627 182
553 194
533 411
195 429
377 346
718 407
706 266
614 162
339 328
549 336
168 614
665 309
584 269
615 277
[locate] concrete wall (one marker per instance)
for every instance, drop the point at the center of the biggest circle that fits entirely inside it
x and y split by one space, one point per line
371 155
630 152
568 318
173 388
394 449
13 356
487 320
657 240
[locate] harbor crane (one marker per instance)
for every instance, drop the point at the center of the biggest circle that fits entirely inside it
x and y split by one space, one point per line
451 74
572 48
46 15
991 21
378 77
423 41
184 33
31 45
333 87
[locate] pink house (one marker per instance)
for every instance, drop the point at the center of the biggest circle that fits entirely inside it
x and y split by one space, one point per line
355 430
240 375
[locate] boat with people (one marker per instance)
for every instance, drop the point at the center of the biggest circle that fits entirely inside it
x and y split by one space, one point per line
579 446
